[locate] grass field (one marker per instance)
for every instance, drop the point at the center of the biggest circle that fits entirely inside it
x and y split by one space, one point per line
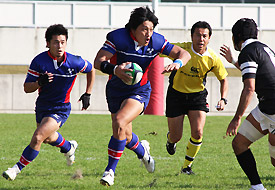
215 166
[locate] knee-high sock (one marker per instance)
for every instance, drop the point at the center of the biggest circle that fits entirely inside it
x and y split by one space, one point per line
64 145
248 165
192 149
27 156
115 150
135 146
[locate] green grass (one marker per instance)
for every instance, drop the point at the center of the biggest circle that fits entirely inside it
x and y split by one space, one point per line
215 166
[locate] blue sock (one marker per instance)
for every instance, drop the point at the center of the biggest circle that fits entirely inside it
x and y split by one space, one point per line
64 145
135 146
115 150
27 156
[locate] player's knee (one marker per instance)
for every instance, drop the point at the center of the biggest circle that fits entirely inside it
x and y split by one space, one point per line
197 134
46 141
119 125
236 145
120 121
37 139
175 137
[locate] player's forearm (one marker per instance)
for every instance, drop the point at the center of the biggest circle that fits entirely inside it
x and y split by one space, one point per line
245 99
90 81
179 53
30 87
224 88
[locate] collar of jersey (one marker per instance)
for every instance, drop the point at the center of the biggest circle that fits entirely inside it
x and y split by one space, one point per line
248 41
206 53
137 47
55 60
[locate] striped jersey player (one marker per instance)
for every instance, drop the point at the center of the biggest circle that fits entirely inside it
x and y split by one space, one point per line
256 62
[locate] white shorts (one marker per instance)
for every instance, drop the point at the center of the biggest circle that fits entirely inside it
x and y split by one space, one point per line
266 121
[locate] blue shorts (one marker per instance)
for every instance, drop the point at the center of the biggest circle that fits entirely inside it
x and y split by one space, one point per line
141 94
58 112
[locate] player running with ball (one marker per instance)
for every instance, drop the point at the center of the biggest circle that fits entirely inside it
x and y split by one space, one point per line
53 74
137 43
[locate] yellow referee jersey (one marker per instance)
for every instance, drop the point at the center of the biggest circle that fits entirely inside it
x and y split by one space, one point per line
192 77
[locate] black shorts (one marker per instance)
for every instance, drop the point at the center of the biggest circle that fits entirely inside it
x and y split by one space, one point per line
178 103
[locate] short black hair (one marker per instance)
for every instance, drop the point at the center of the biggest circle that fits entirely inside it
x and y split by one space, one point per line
244 29
201 24
140 15
56 29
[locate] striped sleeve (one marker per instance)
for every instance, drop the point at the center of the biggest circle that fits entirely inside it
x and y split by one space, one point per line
249 69
33 72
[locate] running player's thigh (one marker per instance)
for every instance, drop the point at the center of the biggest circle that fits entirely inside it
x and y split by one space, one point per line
256 124
197 121
47 127
129 110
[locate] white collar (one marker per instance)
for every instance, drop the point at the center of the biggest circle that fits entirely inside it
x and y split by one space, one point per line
206 53
137 47
248 41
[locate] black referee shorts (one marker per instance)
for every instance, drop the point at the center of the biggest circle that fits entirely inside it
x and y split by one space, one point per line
178 103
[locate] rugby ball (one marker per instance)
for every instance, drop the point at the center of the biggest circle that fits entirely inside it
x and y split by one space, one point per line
137 73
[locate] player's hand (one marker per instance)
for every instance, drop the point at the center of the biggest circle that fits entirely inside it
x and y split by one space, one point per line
220 105
45 78
171 67
85 98
226 53
120 72
232 128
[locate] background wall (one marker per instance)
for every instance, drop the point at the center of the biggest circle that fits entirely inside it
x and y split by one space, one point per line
14 100
23 25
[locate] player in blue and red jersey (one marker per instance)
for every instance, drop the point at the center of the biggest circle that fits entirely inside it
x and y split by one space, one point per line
137 43
53 74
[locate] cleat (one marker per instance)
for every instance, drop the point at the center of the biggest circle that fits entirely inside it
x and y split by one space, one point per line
170 147
11 173
70 155
187 171
108 178
147 159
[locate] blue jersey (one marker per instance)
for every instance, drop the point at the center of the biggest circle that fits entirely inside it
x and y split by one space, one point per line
124 47
58 91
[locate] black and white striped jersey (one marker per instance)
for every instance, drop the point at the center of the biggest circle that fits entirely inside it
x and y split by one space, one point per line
257 61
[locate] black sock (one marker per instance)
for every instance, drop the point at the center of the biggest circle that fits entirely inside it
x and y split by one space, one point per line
248 164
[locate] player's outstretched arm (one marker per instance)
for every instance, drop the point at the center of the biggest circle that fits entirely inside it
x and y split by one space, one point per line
180 56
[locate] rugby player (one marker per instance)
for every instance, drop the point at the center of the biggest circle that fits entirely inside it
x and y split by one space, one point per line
256 62
138 43
53 74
